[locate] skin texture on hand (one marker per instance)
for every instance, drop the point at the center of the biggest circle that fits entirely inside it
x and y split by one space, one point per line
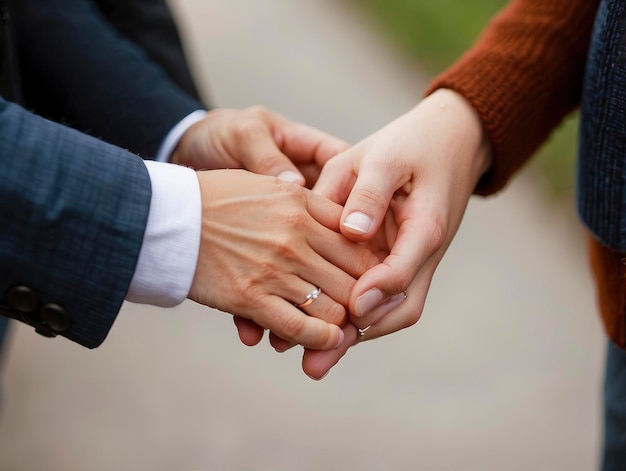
265 244
265 143
257 140
405 189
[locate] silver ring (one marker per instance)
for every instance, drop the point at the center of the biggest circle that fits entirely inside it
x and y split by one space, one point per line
312 296
361 332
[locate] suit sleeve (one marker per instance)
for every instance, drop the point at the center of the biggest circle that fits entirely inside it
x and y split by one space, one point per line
71 226
150 25
78 68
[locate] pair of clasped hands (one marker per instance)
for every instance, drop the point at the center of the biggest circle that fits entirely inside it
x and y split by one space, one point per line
367 224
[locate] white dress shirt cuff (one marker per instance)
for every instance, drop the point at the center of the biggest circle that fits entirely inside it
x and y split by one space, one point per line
169 254
172 138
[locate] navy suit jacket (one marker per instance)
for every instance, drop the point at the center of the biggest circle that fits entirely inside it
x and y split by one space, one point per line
112 68
74 207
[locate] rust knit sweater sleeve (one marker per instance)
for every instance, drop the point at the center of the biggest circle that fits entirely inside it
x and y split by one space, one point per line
523 76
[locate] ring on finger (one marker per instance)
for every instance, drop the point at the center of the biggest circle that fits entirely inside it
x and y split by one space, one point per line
312 296
361 333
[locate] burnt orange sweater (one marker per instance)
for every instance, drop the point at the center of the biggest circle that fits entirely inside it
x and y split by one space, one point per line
523 76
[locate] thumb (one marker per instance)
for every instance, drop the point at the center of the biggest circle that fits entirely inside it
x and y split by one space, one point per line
260 154
367 204
336 179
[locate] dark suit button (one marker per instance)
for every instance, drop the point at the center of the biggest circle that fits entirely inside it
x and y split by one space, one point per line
45 330
23 298
55 317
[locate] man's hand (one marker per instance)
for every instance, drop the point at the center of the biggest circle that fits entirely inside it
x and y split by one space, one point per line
257 140
265 245
262 142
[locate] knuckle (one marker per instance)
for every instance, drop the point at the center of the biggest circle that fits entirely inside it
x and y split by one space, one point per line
295 217
293 327
399 283
370 197
436 231
253 285
244 293
364 260
282 245
288 190
266 270
393 161
266 162
294 197
335 314
333 165
248 130
343 290
398 280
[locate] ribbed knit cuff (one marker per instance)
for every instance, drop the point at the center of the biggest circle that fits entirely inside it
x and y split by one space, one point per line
523 77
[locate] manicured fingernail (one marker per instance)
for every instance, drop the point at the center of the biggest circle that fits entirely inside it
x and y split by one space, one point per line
290 176
358 222
342 336
368 301
389 304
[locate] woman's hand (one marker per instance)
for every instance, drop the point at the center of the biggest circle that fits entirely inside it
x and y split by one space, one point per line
258 140
265 245
417 175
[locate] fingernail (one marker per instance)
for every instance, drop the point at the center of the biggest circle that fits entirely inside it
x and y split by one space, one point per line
290 176
368 301
342 336
358 222
389 305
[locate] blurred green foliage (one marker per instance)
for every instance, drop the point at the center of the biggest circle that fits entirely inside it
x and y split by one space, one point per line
436 32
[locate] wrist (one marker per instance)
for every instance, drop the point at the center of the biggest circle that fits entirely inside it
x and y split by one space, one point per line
167 260
180 153
176 147
459 113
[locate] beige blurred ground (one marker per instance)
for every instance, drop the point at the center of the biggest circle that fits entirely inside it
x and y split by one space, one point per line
503 372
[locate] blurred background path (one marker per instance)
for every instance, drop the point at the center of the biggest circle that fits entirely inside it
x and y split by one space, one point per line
503 372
